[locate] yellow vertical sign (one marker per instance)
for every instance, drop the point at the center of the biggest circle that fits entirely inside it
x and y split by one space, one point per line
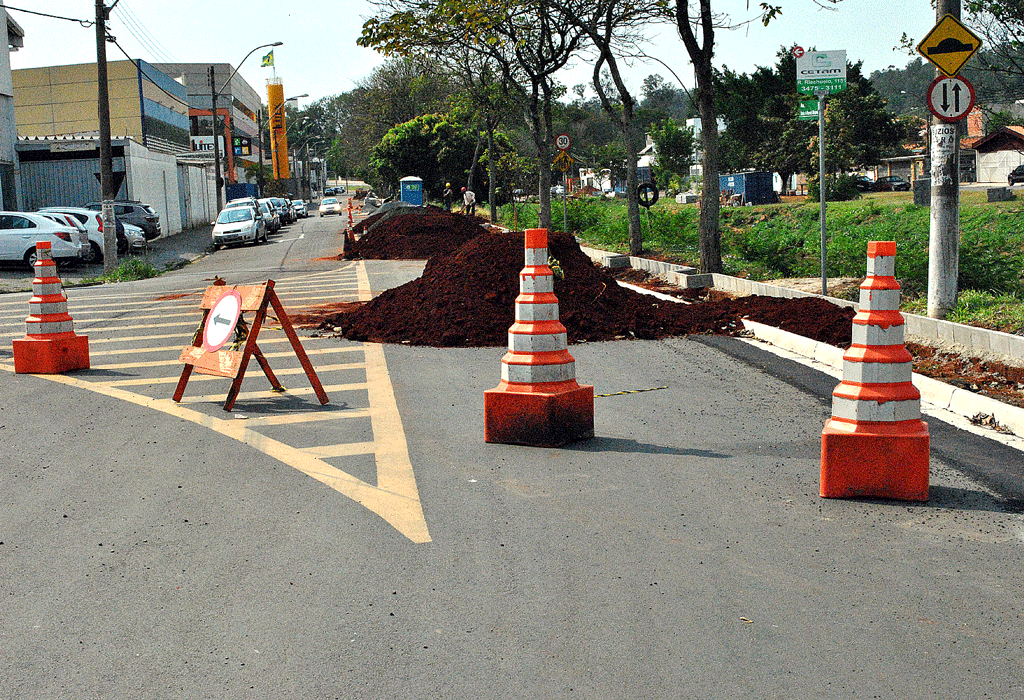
278 131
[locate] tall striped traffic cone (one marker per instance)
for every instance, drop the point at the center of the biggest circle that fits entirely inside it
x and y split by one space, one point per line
538 401
875 444
50 345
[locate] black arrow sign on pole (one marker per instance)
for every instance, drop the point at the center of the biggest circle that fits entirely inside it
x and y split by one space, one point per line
956 98
945 97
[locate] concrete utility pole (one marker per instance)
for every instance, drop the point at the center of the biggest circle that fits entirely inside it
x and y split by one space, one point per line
216 149
107 192
944 225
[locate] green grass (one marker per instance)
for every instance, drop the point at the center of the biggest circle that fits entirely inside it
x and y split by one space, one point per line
783 240
127 271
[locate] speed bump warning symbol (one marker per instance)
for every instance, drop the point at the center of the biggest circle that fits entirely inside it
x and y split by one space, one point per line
949 45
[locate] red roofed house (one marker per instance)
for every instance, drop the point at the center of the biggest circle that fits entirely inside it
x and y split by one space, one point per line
999 153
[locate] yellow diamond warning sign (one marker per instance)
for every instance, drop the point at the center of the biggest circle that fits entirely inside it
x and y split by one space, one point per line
949 45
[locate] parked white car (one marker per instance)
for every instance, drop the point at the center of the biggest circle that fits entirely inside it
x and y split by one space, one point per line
300 209
93 222
20 231
239 225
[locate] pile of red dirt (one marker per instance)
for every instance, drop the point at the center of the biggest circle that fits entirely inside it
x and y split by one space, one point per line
467 299
411 233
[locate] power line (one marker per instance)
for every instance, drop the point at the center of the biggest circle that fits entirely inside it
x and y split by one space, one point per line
84 22
142 34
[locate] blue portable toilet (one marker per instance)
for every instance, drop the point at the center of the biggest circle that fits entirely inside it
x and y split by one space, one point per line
751 188
412 190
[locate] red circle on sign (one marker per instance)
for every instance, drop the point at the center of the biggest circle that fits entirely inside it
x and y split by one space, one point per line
221 321
950 98
563 142
798 51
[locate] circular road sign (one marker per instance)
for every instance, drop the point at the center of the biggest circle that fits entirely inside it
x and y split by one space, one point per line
798 51
221 321
647 194
562 142
950 99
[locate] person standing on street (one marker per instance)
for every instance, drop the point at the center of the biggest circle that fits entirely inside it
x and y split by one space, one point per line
468 202
448 196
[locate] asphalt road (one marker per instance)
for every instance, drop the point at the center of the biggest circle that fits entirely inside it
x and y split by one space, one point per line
376 547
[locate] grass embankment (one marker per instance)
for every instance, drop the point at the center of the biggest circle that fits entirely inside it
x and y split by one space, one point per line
783 240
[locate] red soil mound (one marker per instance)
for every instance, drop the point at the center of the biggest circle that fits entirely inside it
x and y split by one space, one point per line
411 233
467 299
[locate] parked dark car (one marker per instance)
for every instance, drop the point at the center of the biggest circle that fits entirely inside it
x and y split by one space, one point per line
892 183
1016 175
135 213
863 183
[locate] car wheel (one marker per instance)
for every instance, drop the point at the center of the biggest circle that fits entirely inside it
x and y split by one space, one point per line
30 259
93 254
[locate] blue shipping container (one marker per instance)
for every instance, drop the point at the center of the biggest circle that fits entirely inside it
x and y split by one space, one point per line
753 188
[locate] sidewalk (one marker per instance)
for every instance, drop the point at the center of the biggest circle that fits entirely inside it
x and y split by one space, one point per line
166 252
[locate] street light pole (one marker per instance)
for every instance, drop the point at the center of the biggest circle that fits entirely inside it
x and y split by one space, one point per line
214 92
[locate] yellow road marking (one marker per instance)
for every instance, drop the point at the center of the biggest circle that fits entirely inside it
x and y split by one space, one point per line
345 449
196 377
395 498
293 418
178 348
268 393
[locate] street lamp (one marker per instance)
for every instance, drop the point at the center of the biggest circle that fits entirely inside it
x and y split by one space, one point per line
273 135
214 92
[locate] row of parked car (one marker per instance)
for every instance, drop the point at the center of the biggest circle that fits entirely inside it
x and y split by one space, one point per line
886 183
75 233
251 220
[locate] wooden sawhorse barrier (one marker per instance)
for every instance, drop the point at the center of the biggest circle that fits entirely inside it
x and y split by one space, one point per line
223 307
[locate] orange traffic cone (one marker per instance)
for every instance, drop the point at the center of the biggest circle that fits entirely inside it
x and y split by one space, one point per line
50 345
875 444
538 401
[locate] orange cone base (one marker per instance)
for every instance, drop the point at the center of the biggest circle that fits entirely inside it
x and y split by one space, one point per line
53 355
538 418
888 460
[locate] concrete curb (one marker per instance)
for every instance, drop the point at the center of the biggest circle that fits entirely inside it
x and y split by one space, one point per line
959 401
970 338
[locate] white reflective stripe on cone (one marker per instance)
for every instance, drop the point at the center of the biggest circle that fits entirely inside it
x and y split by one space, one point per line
882 266
880 299
535 257
888 412
876 335
48 327
536 284
46 288
877 372
537 342
538 374
536 312
46 309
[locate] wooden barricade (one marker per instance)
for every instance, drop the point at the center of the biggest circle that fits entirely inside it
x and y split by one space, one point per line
213 360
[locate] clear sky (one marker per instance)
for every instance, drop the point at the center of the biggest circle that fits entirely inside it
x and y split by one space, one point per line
319 55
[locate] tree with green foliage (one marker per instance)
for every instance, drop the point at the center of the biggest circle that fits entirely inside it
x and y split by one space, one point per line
431 147
527 40
674 146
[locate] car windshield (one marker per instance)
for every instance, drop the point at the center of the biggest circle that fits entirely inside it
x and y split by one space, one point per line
329 200
234 215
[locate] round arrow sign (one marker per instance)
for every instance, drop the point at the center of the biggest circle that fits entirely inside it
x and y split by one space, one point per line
798 51
221 321
950 99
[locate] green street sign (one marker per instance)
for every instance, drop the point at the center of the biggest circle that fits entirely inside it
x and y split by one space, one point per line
808 110
821 72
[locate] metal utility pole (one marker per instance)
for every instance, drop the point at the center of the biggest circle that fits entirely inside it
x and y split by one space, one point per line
107 192
944 222
216 148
